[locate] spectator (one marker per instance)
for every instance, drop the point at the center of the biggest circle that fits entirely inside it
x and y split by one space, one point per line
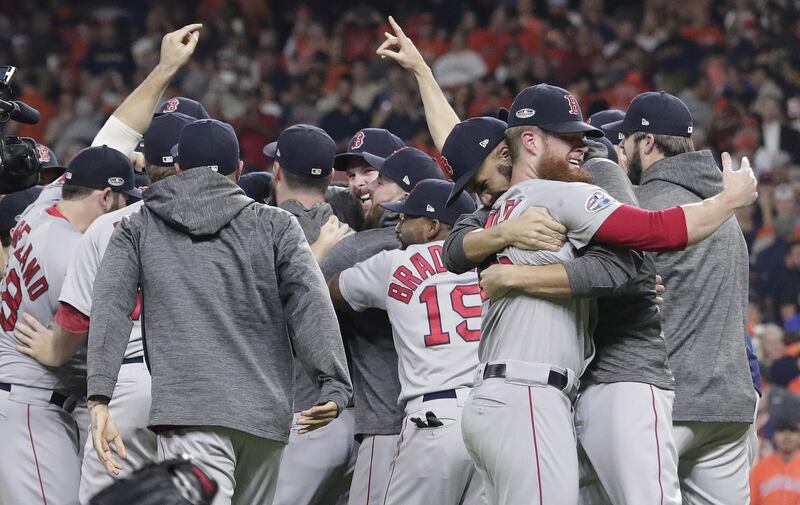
776 479
460 65
772 345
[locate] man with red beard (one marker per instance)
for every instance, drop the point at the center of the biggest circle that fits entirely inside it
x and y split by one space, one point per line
630 363
527 381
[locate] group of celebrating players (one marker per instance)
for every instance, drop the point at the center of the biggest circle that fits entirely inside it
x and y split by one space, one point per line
497 310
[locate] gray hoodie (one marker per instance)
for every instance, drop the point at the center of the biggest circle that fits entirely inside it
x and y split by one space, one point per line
705 301
306 387
225 282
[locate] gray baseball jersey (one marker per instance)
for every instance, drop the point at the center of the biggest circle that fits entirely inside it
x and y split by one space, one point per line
564 326
435 315
42 244
79 281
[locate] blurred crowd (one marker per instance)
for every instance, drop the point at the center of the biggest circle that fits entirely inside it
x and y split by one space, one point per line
264 65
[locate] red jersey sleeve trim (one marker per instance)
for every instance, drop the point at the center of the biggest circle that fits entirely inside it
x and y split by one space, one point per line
71 319
644 230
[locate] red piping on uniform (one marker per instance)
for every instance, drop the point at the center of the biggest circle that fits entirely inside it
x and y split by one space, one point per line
394 461
658 446
535 446
35 458
369 479
53 211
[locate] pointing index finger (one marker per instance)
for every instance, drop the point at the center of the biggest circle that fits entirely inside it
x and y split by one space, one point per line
396 27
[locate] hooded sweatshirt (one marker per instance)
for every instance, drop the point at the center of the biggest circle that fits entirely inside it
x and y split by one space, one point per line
229 288
306 387
704 310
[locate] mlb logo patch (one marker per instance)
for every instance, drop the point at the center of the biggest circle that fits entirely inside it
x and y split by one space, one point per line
525 113
597 201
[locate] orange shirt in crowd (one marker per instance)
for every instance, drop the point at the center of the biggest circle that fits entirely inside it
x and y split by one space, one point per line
775 482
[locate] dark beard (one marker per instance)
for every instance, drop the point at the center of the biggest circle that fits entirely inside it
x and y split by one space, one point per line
558 169
635 168
504 169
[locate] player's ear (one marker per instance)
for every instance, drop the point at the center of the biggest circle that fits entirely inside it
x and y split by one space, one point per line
502 150
434 226
178 168
649 143
530 141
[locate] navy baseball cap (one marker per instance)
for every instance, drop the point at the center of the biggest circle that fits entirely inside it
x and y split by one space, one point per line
550 108
377 141
467 146
163 133
406 167
207 143
256 185
429 199
602 118
655 112
12 205
304 150
183 105
47 158
102 167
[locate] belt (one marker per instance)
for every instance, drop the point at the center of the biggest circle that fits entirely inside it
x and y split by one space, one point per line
498 371
439 395
62 401
137 359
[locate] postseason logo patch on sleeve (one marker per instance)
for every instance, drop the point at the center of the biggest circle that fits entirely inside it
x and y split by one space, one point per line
597 201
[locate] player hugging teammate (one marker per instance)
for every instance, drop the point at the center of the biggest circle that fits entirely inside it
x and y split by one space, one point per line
501 328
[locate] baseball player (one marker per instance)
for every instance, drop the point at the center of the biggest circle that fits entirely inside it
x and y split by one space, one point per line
551 145
40 462
704 306
360 174
435 318
316 467
378 418
132 401
12 206
611 142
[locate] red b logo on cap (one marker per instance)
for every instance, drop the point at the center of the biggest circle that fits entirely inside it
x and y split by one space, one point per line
171 105
446 166
358 141
44 154
574 108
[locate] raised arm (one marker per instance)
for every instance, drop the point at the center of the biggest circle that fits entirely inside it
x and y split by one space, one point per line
176 48
439 114
679 227
129 121
738 190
